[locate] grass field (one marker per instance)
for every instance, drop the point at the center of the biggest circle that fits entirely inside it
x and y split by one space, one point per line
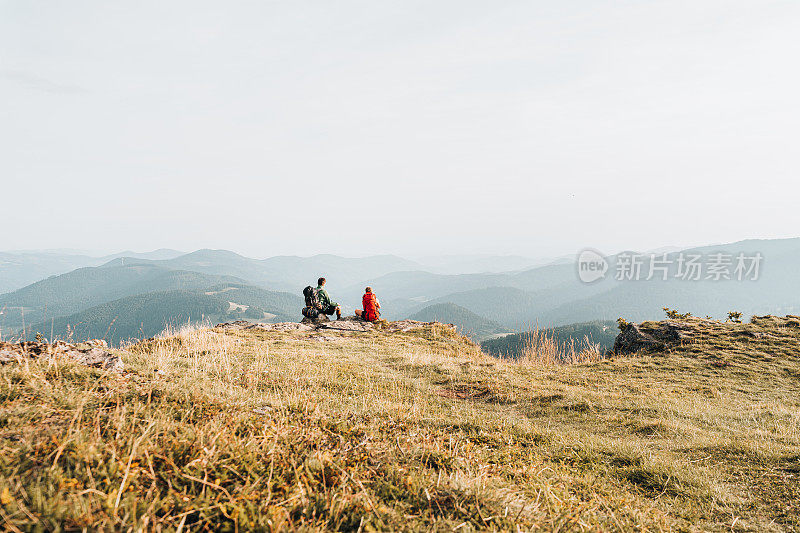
236 430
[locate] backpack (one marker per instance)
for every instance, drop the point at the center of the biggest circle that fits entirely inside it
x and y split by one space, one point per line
370 307
312 298
310 312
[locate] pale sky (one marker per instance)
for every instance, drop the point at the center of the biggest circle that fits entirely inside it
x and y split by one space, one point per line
294 127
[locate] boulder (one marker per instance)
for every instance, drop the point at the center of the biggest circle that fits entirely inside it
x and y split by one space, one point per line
638 337
266 326
347 323
100 343
321 319
8 355
98 358
632 339
89 354
282 326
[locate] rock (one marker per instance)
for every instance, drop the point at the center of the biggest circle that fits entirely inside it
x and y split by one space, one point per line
7 355
349 323
100 343
321 319
98 358
88 354
266 326
346 323
408 325
282 326
632 339
237 324
637 337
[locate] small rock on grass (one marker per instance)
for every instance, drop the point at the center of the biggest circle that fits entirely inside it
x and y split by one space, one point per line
91 353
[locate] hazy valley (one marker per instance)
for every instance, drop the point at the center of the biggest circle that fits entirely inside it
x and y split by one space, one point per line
133 296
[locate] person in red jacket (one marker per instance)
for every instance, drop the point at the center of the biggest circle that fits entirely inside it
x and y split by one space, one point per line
372 306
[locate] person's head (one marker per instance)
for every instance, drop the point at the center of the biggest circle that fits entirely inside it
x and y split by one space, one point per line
321 282
368 290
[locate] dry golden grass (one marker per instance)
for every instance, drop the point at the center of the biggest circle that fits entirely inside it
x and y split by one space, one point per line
252 430
541 347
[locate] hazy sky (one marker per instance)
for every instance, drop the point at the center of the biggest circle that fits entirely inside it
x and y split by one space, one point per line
404 127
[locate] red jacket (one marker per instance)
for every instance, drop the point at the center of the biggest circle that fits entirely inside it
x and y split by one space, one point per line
370 304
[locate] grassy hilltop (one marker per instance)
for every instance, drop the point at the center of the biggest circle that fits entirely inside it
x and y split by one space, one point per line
238 429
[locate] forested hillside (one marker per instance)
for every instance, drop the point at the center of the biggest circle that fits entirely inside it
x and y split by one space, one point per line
600 333
87 287
474 326
145 315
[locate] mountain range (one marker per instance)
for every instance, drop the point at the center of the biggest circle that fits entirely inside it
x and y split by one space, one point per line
18 269
474 326
485 304
145 315
87 287
281 272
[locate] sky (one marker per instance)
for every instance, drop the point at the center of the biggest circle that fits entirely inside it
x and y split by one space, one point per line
437 127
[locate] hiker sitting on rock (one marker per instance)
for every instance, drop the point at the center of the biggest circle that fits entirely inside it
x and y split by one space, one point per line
372 306
327 307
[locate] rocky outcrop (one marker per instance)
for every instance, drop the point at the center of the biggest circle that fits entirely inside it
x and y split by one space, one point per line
349 323
90 353
650 336
281 326
321 319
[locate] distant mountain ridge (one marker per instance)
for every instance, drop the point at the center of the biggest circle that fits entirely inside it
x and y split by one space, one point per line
553 295
90 286
478 263
545 296
19 269
472 325
282 272
146 315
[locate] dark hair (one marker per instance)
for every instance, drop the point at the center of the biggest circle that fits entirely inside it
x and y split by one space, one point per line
320 281
368 289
